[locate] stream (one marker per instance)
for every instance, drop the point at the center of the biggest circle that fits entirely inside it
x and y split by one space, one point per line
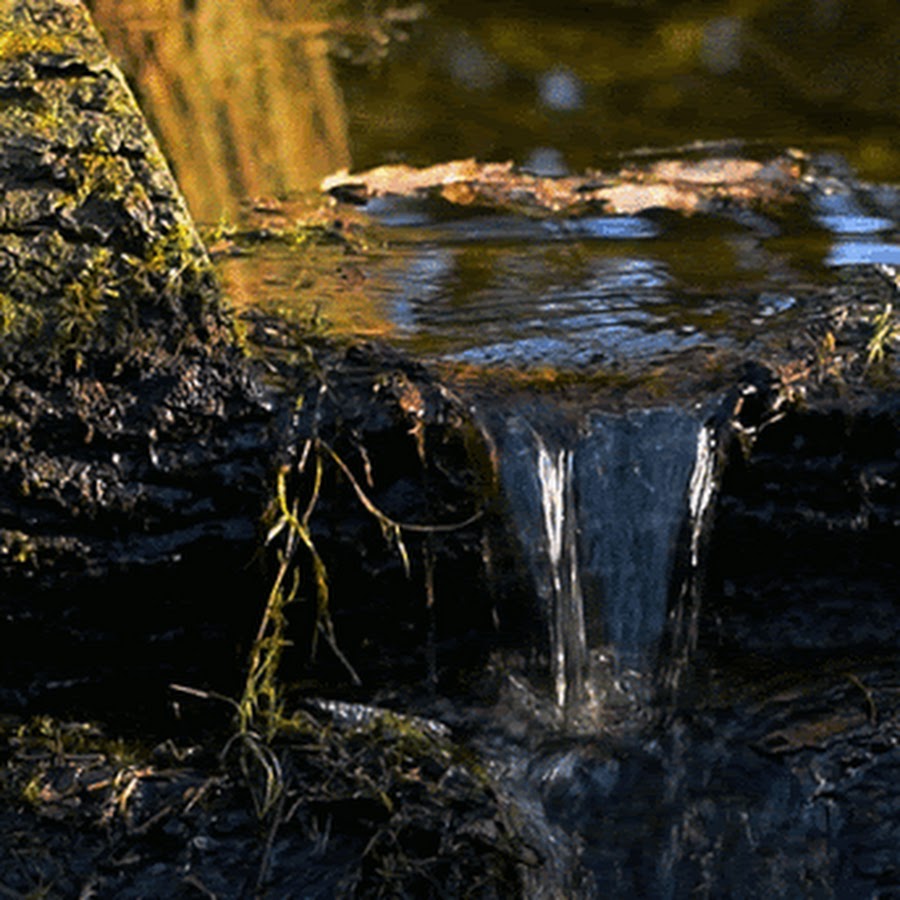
708 703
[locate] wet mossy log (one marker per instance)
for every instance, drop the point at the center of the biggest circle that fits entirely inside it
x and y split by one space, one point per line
134 437
139 446
98 254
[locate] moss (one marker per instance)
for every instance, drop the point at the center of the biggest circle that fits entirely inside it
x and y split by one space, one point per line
102 175
38 116
9 315
17 44
45 734
177 249
83 304
18 321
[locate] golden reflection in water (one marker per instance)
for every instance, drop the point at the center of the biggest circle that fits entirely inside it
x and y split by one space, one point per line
241 94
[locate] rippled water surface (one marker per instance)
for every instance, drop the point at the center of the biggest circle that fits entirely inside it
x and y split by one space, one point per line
496 289
261 100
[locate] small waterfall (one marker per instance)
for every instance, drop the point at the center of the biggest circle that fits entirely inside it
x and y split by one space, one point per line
568 646
537 478
636 493
608 509
685 613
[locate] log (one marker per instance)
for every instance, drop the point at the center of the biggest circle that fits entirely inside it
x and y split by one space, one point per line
136 439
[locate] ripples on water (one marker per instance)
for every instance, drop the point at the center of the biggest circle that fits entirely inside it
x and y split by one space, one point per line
495 289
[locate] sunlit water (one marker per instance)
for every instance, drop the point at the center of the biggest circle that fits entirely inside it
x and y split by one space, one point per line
260 100
497 290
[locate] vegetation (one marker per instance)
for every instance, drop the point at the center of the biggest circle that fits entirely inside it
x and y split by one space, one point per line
884 331
17 43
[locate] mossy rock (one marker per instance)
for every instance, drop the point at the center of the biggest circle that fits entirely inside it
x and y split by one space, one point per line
98 253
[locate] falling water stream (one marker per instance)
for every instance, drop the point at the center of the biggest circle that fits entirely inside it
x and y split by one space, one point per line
610 512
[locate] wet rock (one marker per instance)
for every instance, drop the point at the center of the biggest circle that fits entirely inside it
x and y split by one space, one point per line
801 557
401 517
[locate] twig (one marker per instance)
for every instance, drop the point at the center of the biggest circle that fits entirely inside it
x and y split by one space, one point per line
870 700
158 816
195 882
203 695
201 791
383 516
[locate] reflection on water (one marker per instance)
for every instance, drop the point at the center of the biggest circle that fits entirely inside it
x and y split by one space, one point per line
240 92
561 86
249 100
491 290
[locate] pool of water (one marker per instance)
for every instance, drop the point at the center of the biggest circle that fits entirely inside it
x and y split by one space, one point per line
257 98
257 102
492 289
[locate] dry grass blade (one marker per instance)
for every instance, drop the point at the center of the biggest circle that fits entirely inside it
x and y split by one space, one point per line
885 330
392 524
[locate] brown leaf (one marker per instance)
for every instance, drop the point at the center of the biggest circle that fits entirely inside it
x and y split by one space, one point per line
685 186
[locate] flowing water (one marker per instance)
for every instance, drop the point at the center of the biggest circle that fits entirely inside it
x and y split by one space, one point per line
608 499
609 510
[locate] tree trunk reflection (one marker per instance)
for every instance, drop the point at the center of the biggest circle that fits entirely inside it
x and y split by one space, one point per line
240 92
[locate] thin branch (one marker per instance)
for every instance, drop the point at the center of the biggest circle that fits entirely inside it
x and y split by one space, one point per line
383 516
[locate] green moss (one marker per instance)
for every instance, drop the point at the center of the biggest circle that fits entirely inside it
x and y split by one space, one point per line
9 315
84 302
178 259
16 44
102 175
18 321
37 115
62 738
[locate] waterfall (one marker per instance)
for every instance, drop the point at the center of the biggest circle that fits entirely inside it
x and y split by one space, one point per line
607 508
685 613
536 470
635 500
568 646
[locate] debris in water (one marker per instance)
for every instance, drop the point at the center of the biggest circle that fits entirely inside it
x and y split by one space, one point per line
682 185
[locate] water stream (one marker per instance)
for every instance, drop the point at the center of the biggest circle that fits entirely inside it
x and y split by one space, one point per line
609 510
777 776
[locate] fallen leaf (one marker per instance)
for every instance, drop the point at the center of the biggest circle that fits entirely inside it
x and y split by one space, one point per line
685 186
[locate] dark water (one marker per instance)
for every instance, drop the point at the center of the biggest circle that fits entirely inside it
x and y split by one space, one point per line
495 290
264 99
256 97
564 86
